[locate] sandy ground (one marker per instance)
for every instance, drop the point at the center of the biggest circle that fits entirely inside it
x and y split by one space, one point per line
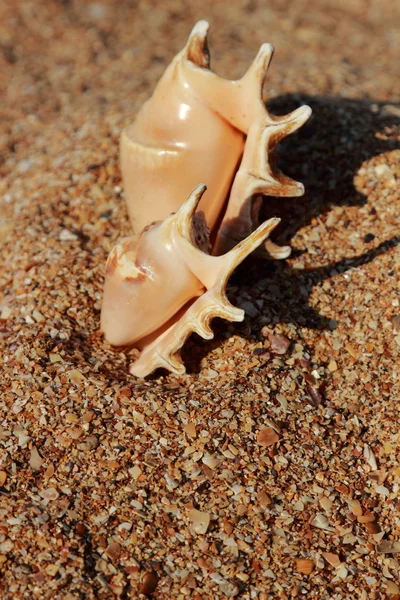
282 441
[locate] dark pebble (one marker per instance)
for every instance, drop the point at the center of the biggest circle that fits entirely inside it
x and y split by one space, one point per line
149 583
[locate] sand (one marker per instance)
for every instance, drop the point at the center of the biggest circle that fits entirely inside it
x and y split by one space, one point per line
270 470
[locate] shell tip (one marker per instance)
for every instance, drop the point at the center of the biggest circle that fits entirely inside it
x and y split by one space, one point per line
197 50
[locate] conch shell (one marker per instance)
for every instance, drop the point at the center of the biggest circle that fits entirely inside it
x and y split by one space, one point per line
197 128
151 278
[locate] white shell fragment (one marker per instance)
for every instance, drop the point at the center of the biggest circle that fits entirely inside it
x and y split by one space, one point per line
199 520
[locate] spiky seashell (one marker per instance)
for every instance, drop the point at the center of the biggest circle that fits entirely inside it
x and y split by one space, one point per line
197 127
200 128
161 287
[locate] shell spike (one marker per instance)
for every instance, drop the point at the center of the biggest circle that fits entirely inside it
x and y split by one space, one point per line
214 271
288 124
186 212
230 260
183 218
299 116
196 49
171 362
256 73
262 174
203 329
251 86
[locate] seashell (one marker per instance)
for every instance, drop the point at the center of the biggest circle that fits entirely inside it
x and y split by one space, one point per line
195 129
162 286
169 280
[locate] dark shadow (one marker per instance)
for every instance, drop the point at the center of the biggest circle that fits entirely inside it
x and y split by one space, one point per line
282 279
326 154
281 306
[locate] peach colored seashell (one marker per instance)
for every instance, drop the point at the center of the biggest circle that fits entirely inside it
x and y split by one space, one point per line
197 127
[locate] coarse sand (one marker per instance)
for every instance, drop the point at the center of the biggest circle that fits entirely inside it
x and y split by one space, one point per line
270 470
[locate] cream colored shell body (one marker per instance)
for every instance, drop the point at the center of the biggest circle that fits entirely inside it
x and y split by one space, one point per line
175 143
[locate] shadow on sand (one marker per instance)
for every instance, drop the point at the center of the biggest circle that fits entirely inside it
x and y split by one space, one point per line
325 155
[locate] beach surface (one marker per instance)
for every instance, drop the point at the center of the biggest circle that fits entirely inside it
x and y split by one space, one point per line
271 469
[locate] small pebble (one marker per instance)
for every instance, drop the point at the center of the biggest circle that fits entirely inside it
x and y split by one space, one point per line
149 583
369 237
305 566
267 437
113 550
67 236
91 442
199 520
